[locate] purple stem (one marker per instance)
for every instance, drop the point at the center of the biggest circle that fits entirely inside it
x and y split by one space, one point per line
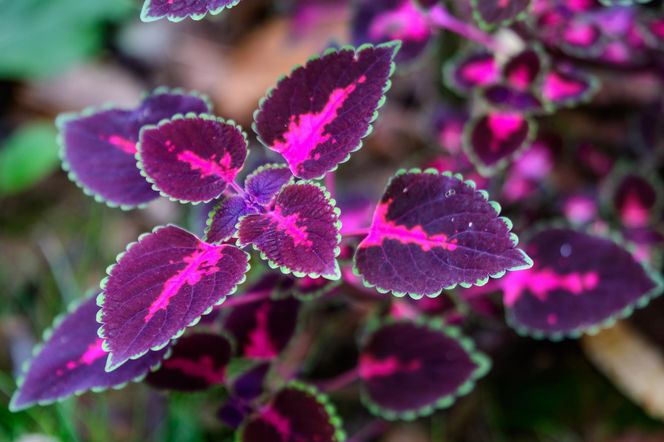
330 183
441 17
247 298
369 431
340 381
238 189
354 232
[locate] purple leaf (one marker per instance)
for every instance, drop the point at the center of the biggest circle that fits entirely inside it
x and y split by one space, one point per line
634 198
511 99
233 412
160 286
297 412
380 21
223 219
523 70
433 231
264 183
409 369
566 86
579 283
192 158
198 362
581 38
178 10
262 329
71 361
497 13
468 70
301 233
98 145
248 385
492 140
317 116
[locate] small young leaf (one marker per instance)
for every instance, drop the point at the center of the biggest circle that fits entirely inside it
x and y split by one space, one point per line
267 181
567 87
198 362
467 71
493 139
262 329
635 199
192 158
317 116
98 145
297 412
223 219
409 369
433 231
380 21
523 70
71 361
300 235
248 385
178 10
160 286
497 13
579 283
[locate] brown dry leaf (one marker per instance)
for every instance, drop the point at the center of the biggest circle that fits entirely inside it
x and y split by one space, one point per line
633 364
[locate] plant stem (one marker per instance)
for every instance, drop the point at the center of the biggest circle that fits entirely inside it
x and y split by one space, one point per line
369 431
356 232
330 183
238 189
247 298
340 381
441 17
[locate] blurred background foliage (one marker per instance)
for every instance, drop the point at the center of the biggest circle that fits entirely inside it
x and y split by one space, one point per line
55 242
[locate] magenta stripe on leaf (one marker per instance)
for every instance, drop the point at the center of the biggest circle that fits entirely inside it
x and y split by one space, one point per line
98 145
192 158
72 361
409 369
177 10
264 183
466 71
432 231
635 199
317 116
223 219
579 283
161 285
299 235
297 412
523 70
567 87
198 362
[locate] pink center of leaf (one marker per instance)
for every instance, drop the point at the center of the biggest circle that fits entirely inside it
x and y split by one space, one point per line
290 226
203 368
125 145
503 127
380 368
542 282
404 23
221 168
633 212
556 87
382 229
92 354
480 72
279 422
260 346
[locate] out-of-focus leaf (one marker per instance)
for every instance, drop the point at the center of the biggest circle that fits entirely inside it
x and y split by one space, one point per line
27 156
40 37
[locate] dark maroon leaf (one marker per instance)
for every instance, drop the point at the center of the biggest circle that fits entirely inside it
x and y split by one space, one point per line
262 329
523 70
409 369
198 362
299 235
264 183
223 219
495 13
634 198
567 87
192 158
160 286
98 145
433 231
511 99
579 283
178 10
380 21
469 70
248 385
297 412
71 361
317 116
492 140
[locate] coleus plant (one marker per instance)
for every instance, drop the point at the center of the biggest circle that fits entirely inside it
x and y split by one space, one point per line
431 234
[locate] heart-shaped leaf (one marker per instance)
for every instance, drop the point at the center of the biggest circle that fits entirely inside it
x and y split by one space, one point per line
317 116
497 13
160 286
493 139
297 412
523 70
192 158
409 369
380 21
565 86
222 220
299 235
579 283
198 362
98 145
469 70
581 37
71 361
635 199
262 329
433 231
264 183
178 10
